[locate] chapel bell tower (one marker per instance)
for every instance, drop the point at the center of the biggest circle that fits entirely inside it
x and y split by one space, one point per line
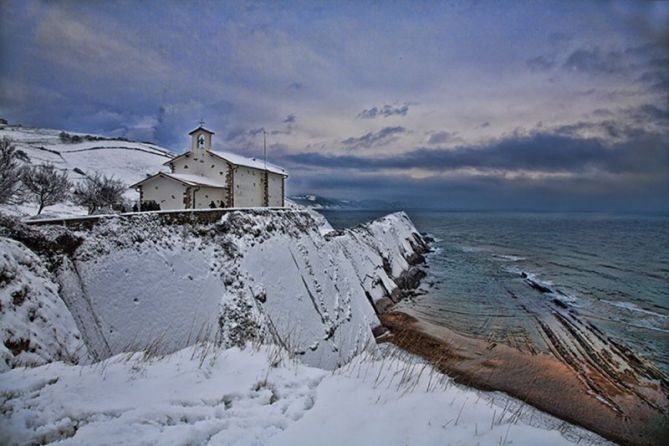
200 139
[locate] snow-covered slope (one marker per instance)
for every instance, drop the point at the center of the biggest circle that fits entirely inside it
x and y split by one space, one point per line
257 274
35 325
128 161
260 397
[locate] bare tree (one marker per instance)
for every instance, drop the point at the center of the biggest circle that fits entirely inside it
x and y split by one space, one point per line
98 191
10 172
46 185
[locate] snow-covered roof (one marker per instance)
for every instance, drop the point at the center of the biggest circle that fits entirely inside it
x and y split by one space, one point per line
239 160
190 179
201 128
249 162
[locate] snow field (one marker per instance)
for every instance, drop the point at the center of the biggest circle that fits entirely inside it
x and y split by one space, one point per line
257 396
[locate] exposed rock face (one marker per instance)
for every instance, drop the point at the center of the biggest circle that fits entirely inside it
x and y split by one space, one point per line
147 282
390 270
410 280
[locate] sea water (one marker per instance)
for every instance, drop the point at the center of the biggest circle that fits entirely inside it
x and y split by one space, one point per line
490 271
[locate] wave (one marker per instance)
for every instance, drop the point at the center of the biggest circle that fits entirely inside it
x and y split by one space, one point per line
509 258
629 306
430 237
539 285
560 297
435 251
647 326
473 249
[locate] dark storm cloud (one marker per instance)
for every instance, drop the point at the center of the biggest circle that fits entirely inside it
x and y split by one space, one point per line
602 113
656 73
373 139
442 137
649 61
649 113
385 111
489 192
252 139
608 128
596 61
657 80
647 154
622 124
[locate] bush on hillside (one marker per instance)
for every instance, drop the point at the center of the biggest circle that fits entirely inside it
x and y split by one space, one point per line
98 192
45 185
10 171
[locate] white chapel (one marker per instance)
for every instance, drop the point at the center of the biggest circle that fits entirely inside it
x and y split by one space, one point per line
203 178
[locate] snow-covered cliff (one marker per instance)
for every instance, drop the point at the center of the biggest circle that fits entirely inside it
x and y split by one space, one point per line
139 282
35 325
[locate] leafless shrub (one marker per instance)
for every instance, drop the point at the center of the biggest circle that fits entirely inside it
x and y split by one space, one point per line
45 185
10 171
98 192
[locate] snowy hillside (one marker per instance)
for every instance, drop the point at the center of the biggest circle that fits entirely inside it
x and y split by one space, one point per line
125 160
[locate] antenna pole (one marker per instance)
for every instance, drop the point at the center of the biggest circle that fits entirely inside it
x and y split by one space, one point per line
264 145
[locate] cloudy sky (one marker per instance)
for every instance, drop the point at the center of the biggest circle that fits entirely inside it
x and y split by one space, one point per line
453 104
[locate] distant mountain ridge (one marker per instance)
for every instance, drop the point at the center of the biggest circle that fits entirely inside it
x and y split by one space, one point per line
313 201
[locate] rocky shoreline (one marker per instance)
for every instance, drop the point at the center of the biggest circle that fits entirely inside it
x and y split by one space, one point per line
628 405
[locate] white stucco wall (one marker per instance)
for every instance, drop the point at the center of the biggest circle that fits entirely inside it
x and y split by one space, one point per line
166 192
248 187
275 190
204 165
205 195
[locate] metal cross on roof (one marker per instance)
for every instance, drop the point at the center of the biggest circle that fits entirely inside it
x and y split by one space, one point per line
201 122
